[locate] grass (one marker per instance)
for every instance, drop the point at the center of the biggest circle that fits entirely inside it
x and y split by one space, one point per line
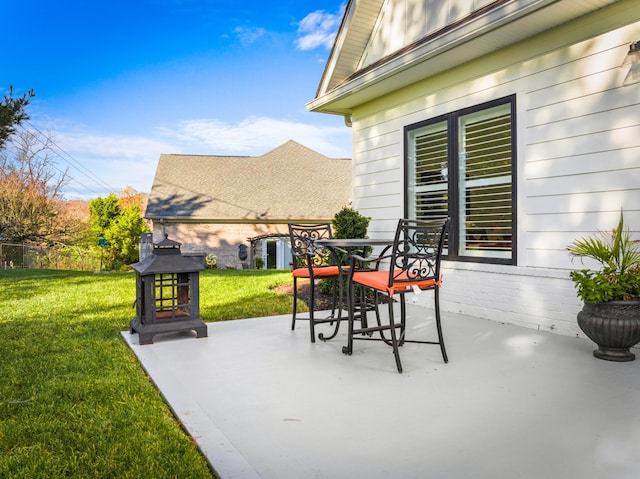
74 401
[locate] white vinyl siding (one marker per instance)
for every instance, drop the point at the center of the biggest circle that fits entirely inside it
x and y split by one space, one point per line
577 150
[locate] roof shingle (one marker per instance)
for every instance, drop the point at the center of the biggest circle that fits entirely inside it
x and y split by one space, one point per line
290 182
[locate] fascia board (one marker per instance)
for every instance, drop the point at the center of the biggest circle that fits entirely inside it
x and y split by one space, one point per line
498 28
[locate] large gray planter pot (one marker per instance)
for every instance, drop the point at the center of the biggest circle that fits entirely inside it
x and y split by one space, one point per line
614 326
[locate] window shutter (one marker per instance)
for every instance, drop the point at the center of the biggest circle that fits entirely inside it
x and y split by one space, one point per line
485 192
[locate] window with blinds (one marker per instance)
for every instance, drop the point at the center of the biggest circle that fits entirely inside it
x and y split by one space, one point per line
430 172
461 166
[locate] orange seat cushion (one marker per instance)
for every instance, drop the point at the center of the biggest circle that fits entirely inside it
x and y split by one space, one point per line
318 272
380 280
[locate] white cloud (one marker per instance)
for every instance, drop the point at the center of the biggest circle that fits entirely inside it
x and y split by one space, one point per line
318 29
249 35
255 136
104 147
100 164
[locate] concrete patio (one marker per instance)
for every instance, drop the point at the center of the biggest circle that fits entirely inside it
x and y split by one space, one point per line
261 401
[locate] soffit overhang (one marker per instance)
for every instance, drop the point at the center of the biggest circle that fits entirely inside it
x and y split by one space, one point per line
503 24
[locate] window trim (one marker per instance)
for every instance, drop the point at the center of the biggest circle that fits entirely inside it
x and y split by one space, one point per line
451 120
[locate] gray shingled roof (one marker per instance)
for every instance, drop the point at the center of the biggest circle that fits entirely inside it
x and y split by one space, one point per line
291 182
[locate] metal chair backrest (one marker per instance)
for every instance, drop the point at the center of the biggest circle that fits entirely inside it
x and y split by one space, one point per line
417 250
304 252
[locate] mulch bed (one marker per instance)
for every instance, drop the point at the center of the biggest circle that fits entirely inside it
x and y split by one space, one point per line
323 301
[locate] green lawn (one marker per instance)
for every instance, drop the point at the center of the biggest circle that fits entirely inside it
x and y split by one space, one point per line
74 401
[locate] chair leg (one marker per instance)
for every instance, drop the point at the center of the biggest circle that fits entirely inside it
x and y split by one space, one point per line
335 305
362 305
348 349
376 303
334 298
387 341
394 339
312 304
403 318
295 303
438 324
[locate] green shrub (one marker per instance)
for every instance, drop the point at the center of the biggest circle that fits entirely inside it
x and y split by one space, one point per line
347 223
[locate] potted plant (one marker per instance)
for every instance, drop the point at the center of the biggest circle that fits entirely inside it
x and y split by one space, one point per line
611 313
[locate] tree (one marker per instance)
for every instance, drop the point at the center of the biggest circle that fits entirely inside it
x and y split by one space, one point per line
120 225
31 204
124 235
12 113
103 212
129 196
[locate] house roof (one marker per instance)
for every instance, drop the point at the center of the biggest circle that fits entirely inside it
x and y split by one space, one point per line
367 62
288 183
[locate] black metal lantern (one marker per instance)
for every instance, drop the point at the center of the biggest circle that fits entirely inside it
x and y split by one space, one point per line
167 293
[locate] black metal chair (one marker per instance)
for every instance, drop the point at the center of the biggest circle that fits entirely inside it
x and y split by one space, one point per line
312 262
414 262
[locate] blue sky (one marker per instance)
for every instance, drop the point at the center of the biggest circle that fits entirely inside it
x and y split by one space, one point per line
118 82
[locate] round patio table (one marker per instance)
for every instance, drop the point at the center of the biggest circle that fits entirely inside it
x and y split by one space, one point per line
349 246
